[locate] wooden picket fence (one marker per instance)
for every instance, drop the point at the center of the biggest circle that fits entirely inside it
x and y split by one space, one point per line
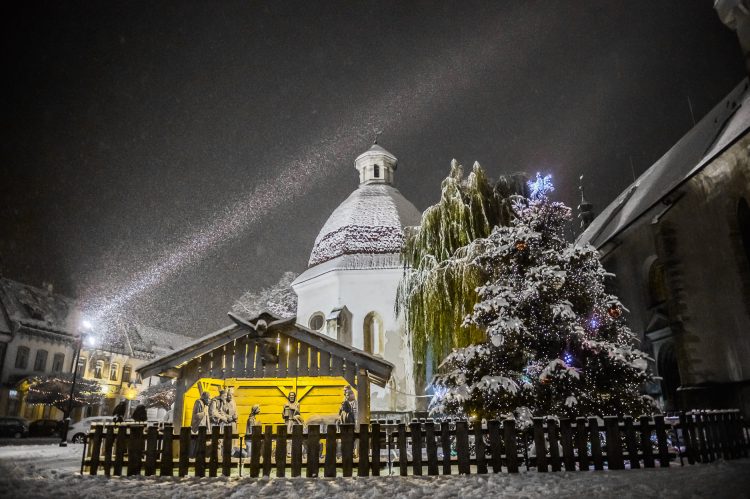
422 447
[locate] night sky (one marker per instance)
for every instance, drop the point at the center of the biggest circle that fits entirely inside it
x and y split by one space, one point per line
161 158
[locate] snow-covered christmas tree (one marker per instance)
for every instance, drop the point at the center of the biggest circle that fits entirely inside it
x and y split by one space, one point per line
556 341
279 299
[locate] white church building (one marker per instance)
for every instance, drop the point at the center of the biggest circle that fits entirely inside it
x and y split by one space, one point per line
349 289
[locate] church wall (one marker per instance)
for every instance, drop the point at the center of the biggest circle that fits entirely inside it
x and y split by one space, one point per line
707 276
362 292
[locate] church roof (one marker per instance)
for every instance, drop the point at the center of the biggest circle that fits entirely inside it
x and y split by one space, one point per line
370 222
718 130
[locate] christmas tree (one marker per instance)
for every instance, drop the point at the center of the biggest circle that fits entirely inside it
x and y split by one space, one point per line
54 390
556 342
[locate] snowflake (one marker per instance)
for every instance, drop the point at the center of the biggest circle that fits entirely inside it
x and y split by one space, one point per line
541 186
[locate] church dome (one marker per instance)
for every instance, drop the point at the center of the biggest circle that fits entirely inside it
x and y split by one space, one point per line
371 220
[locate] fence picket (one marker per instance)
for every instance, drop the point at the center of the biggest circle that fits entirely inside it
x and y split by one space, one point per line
122 433
646 450
631 443
479 450
256 450
185 443
330 462
313 451
109 441
539 445
297 437
415 431
213 461
403 459
347 449
511 448
566 438
226 454
582 444
151 450
166 467
554 450
462 447
200 452
363 466
596 444
445 440
661 439
267 448
96 449
496 444
432 461
135 450
614 446
280 450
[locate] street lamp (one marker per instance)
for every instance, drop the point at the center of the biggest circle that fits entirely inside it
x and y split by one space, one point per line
90 341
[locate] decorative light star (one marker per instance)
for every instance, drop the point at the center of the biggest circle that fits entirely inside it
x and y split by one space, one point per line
541 186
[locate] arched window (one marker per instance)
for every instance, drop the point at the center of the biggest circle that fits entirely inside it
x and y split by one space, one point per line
373 334
376 171
657 284
743 221
317 321
22 358
339 325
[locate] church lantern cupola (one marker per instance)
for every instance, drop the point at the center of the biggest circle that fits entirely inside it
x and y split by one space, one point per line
376 166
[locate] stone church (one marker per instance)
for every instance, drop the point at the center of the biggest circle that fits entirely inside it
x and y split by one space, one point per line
678 240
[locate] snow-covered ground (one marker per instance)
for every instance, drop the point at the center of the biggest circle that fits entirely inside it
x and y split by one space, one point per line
48 471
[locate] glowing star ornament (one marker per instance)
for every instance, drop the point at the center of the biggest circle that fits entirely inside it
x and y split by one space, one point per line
540 186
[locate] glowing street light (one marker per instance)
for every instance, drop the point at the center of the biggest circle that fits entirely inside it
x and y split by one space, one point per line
91 341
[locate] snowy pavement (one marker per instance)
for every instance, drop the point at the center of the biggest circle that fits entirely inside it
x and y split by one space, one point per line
50 471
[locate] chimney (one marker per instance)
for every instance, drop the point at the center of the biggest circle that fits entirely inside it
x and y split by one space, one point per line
736 15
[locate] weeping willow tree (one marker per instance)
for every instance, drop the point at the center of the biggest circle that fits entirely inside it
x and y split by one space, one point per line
438 289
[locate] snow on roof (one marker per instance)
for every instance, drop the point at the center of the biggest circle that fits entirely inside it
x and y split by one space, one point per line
35 307
369 221
351 262
721 127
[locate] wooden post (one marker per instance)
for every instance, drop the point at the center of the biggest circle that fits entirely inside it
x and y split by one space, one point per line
723 422
165 464
135 450
614 448
511 447
479 451
267 446
213 462
200 453
631 443
415 430
363 396
152 450
96 449
185 438
347 449
445 436
375 439
313 451
539 445
661 438
403 459
297 437
256 449
566 437
596 444
686 437
226 455
554 448
700 419
329 469
363 465
109 442
120 444
462 447
496 445
280 450
648 454
432 462
582 444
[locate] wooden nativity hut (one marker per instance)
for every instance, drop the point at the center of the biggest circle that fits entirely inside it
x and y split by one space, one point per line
262 360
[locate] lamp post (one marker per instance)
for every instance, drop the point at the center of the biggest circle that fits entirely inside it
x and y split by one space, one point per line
79 344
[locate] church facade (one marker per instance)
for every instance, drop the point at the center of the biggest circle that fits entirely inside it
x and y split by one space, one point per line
348 291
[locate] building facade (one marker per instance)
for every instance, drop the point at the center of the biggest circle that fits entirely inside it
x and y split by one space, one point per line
678 240
348 291
39 332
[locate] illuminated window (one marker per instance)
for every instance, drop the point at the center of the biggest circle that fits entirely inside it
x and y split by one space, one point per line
126 374
22 358
113 372
81 366
98 368
58 361
40 361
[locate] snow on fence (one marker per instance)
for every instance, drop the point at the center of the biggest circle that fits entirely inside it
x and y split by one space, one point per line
441 447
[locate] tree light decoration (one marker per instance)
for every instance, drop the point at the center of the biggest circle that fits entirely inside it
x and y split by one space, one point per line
551 310
54 390
161 395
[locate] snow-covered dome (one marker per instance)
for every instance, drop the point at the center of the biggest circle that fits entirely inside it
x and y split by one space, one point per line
371 220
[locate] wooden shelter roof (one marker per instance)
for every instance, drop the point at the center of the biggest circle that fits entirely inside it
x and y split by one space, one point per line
253 349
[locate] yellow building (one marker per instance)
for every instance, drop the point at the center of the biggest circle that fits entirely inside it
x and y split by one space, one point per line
264 359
